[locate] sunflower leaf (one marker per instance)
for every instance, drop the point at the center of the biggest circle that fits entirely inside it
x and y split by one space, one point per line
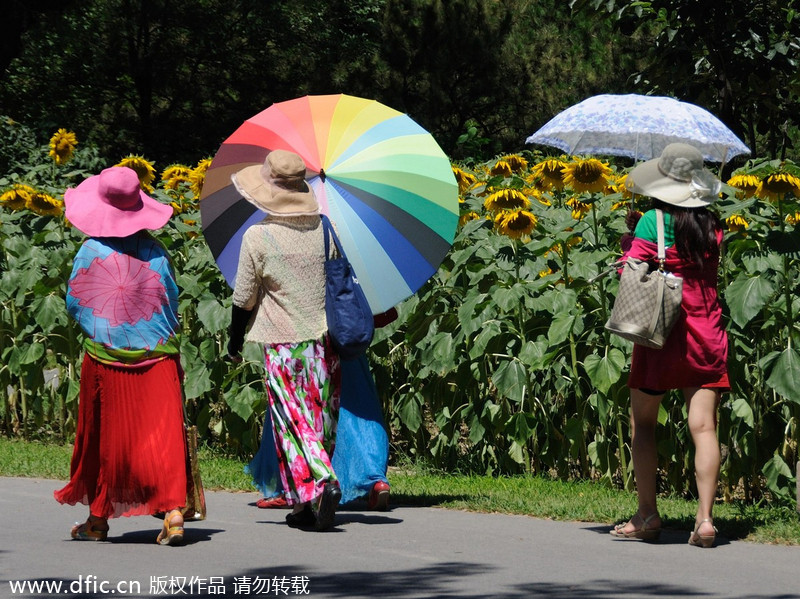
747 296
785 375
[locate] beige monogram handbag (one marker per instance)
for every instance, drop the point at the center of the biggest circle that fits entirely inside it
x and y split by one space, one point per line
648 301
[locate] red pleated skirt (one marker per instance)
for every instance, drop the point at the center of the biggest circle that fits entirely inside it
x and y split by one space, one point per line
130 448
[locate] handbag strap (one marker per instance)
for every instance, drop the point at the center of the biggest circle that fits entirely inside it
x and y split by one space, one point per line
662 252
329 234
661 255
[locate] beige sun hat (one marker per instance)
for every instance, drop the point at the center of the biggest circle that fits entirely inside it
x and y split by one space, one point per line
677 177
278 186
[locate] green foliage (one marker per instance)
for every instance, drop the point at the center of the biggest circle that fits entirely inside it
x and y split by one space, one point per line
736 57
494 71
171 80
41 347
499 365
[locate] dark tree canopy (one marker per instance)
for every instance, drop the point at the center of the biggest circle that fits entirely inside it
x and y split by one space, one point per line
737 58
171 79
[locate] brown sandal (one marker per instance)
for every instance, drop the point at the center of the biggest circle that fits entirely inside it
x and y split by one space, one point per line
644 532
171 534
698 540
89 531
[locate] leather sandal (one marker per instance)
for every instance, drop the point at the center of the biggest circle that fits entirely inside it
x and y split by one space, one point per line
698 540
88 531
171 534
644 532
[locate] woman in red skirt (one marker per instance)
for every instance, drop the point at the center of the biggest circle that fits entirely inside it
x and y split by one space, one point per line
695 355
130 452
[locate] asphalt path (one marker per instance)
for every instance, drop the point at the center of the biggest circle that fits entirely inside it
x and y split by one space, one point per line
240 550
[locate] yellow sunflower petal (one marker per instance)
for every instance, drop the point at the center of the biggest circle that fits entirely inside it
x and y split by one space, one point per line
62 146
587 175
550 172
506 199
44 204
516 223
144 170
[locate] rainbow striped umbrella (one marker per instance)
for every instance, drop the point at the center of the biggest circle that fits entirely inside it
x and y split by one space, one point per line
381 178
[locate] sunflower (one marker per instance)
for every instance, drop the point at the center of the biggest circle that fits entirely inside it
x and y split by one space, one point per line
467 216
144 170
506 199
618 185
17 197
174 175
198 176
587 175
501 168
793 219
534 193
777 185
481 171
516 162
62 146
44 204
579 209
746 184
545 273
538 183
515 223
543 199
736 222
190 223
464 179
551 173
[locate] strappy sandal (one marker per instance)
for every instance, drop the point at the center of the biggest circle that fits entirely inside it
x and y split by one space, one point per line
644 533
171 534
88 531
706 541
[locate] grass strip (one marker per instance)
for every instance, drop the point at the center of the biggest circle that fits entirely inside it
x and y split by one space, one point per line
525 495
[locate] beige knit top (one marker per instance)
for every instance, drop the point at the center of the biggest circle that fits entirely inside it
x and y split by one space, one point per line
281 275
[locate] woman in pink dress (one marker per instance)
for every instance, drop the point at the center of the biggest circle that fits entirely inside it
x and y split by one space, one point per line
694 358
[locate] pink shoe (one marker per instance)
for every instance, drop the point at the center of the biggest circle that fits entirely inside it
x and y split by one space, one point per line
379 496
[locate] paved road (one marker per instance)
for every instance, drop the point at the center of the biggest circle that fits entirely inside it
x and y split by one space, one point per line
407 552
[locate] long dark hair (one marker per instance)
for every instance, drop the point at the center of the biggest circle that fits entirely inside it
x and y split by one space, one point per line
695 231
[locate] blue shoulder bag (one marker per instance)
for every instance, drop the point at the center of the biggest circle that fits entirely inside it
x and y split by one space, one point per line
350 321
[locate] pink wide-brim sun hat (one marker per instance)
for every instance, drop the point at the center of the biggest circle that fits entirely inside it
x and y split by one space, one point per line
112 204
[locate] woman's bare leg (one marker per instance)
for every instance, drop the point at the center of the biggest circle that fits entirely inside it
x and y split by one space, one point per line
702 405
644 417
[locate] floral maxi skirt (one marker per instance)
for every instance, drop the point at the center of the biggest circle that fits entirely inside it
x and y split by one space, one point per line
303 383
